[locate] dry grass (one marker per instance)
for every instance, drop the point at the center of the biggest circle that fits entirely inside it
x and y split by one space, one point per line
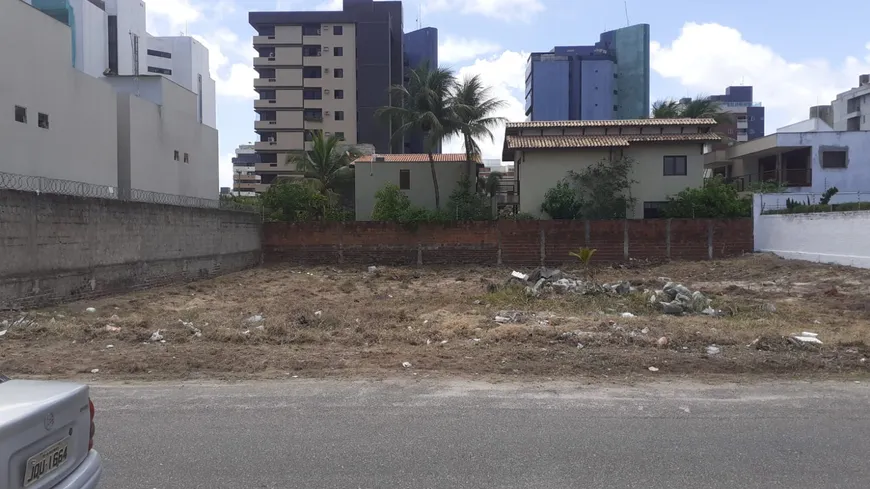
329 321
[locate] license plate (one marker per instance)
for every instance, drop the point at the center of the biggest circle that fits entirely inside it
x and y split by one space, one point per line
46 462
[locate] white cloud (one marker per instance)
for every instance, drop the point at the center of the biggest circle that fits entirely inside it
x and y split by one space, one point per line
508 10
706 58
177 13
505 75
454 49
232 79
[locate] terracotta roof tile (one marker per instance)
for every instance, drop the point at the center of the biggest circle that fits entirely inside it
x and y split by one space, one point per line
541 142
612 123
415 158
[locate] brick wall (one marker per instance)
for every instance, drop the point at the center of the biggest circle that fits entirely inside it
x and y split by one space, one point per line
505 242
56 248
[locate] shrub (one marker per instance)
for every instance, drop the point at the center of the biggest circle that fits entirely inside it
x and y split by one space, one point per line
716 199
297 201
392 205
466 204
560 202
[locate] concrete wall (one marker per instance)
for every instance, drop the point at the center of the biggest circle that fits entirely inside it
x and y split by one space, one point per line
831 237
59 248
371 177
856 175
189 62
131 21
539 171
81 141
91 31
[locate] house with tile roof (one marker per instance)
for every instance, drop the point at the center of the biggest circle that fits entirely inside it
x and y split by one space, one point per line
411 173
669 156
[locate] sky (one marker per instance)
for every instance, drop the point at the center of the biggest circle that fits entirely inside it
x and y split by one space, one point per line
697 48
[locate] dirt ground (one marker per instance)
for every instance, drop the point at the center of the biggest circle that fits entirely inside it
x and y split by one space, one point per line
328 321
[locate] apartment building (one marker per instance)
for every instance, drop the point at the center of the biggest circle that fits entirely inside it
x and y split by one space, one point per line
324 71
421 49
849 110
747 116
605 81
245 178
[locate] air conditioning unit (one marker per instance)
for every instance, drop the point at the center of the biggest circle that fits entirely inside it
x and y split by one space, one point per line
326 48
326 112
326 91
326 70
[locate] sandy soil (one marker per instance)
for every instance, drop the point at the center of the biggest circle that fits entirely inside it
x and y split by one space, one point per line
327 321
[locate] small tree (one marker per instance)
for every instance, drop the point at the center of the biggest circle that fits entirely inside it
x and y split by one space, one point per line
466 204
296 201
716 199
560 202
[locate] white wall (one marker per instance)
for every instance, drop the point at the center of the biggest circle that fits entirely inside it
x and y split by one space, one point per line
832 237
92 47
81 141
149 134
131 20
856 175
189 61
371 177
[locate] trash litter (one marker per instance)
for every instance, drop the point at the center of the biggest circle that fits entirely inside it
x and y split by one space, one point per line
443 342
90 310
260 328
644 331
112 328
653 369
256 318
807 333
95 371
519 275
110 346
406 364
713 350
807 339
662 342
580 346
627 315
373 269
476 340
3 332
156 336
114 318
317 314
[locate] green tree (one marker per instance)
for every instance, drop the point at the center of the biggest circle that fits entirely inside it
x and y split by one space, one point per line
716 199
604 188
491 187
296 200
700 107
560 202
466 204
326 162
474 111
392 205
424 105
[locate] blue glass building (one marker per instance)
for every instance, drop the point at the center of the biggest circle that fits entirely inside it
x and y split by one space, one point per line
609 80
421 49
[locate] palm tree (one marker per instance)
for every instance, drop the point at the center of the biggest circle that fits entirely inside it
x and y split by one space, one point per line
424 105
491 186
474 108
326 161
700 107
666 109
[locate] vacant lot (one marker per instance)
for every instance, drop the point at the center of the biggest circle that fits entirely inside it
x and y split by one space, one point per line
281 321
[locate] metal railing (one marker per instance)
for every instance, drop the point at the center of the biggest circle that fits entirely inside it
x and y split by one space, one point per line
44 185
783 203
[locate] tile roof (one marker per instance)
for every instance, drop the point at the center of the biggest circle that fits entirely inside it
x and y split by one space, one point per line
539 142
612 123
415 158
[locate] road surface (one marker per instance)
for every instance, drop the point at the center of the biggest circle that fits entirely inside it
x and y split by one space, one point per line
457 434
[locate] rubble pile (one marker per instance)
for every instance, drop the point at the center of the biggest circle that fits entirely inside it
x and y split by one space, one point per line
677 299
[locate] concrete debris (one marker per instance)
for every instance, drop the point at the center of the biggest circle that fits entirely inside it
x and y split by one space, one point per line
807 333
519 275
672 308
95 371
260 328
662 342
664 280
254 319
246 332
3 333
110 346
713 350
804 339
373 269
156 336
112 328
622 288
4 324
318 314
644 331
114 318
504 317
90 310
653 369
769 307
711 312
406 364
189 325
443 342
627 315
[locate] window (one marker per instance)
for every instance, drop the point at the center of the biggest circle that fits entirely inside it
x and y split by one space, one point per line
42 120
186 158
834 159
309 136
113 43
311 72
269 157
404 179
339 94
311 30
615 108
339 115
312 94
20 114
674 165
311 50
340 136
653 210
338 51
176 155
159 54
337 30
162 71
339 72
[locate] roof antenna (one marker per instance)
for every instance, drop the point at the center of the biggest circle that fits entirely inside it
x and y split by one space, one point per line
420 15
627 23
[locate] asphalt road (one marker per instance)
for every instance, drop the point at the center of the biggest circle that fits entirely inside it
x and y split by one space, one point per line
436 434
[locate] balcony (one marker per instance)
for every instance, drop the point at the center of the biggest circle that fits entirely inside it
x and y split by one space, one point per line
265 82
265 61
265 125
266 145
265 103
264 40
742 124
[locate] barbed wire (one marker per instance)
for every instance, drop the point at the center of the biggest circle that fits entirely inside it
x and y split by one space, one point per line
44 185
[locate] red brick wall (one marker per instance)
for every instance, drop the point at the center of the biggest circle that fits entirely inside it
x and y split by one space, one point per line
504 242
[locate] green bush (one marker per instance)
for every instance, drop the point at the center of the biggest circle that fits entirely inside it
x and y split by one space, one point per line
716 199
297 201
392 205
796 208
466 204
561 202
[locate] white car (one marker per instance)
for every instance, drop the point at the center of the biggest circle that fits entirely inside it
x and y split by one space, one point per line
47 436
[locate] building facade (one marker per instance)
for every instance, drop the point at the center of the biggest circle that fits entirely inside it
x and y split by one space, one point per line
747 116
608 80
325 71
849 110
668 156
184 60
421 49
245 178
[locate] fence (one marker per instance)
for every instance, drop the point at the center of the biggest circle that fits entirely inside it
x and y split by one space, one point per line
783 203
43 185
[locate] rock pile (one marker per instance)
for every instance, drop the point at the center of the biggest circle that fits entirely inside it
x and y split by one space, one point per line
677 299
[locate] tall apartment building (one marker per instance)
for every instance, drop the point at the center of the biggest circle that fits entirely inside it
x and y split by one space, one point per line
245 178
747 121
421 49
609 80
326 71
849 110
